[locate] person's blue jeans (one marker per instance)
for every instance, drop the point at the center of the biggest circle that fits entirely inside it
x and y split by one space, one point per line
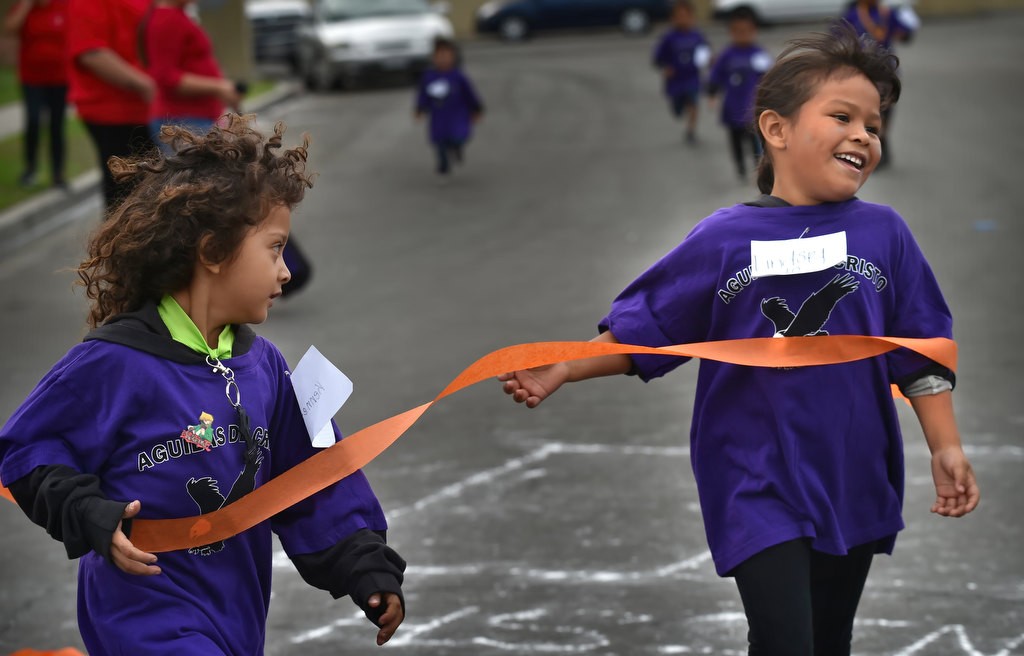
50 99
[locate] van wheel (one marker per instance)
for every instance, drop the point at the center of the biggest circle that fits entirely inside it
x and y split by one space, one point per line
318 75
635 21
513 28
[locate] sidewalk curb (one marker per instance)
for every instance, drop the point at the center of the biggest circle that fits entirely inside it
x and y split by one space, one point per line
53 208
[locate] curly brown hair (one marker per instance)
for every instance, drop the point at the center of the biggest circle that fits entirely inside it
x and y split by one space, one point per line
199 200
809 60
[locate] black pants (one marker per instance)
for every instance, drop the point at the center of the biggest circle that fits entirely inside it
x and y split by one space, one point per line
119 140
801 602
446 150
739 136
52 101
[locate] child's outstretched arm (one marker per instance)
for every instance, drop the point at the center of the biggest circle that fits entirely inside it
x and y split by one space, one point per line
534 385
956 490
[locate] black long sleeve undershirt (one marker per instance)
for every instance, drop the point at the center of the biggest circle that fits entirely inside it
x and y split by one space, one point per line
359 566
71 507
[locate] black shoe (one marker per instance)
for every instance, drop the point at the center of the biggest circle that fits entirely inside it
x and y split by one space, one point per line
27 179
691 139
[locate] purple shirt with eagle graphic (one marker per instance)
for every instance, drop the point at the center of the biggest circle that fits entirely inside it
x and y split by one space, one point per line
138 421
781 454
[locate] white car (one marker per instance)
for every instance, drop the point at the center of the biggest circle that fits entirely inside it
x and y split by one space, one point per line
275 25
348 39
780 11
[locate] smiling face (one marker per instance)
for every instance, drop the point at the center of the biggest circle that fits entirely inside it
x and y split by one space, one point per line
827 150
251 279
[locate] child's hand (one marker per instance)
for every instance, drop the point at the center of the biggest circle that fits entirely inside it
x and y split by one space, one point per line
390 618
535 385
668 72
956 490
124 554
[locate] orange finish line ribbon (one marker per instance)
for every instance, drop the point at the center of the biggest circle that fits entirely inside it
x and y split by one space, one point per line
358 449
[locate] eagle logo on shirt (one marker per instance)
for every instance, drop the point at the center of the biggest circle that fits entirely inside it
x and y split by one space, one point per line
814 312
206 493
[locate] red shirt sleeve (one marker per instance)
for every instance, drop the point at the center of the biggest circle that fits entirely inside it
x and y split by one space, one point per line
165 47
89 27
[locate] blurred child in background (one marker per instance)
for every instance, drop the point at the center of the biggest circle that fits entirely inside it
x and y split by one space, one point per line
41 27
680 55
736 73
881 23
448 96
886 26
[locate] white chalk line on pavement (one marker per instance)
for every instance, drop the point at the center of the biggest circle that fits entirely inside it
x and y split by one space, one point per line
588 639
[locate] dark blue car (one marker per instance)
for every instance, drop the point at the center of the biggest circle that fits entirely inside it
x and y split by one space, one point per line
514 20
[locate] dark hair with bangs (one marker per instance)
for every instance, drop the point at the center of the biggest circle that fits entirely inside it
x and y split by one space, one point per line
198 201
809 61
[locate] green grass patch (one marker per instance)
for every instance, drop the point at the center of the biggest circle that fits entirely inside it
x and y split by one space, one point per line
10 88
81 157
260 87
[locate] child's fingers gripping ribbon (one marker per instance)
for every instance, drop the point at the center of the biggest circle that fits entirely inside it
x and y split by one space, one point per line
357 450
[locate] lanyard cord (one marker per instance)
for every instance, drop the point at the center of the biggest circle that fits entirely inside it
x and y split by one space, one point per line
235 399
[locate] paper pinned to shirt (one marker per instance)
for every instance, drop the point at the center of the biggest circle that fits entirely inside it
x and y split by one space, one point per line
321 389
788 257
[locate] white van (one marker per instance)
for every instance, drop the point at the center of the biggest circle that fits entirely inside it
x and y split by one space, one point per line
348 39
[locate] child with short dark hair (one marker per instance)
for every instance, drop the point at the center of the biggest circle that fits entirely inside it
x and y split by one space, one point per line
680 55
736 73
172 407
800 471
446 93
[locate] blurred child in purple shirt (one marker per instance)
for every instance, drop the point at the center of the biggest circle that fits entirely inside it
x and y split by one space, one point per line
736 73
448 96
886 26
680 55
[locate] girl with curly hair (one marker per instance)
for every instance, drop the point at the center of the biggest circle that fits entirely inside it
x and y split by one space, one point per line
135 422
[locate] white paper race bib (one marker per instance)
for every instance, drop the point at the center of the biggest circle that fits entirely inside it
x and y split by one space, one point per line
788 257
321 389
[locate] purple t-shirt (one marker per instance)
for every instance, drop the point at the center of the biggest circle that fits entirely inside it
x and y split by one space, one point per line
810 452
685 52
736 73
164 433
895 21
451 101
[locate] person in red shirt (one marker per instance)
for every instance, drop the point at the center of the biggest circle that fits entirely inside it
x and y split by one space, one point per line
41 28
190 88
107 84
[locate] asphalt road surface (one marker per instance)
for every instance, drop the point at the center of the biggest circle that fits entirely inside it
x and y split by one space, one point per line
575 528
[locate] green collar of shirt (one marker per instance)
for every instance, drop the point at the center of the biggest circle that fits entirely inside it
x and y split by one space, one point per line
184 330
